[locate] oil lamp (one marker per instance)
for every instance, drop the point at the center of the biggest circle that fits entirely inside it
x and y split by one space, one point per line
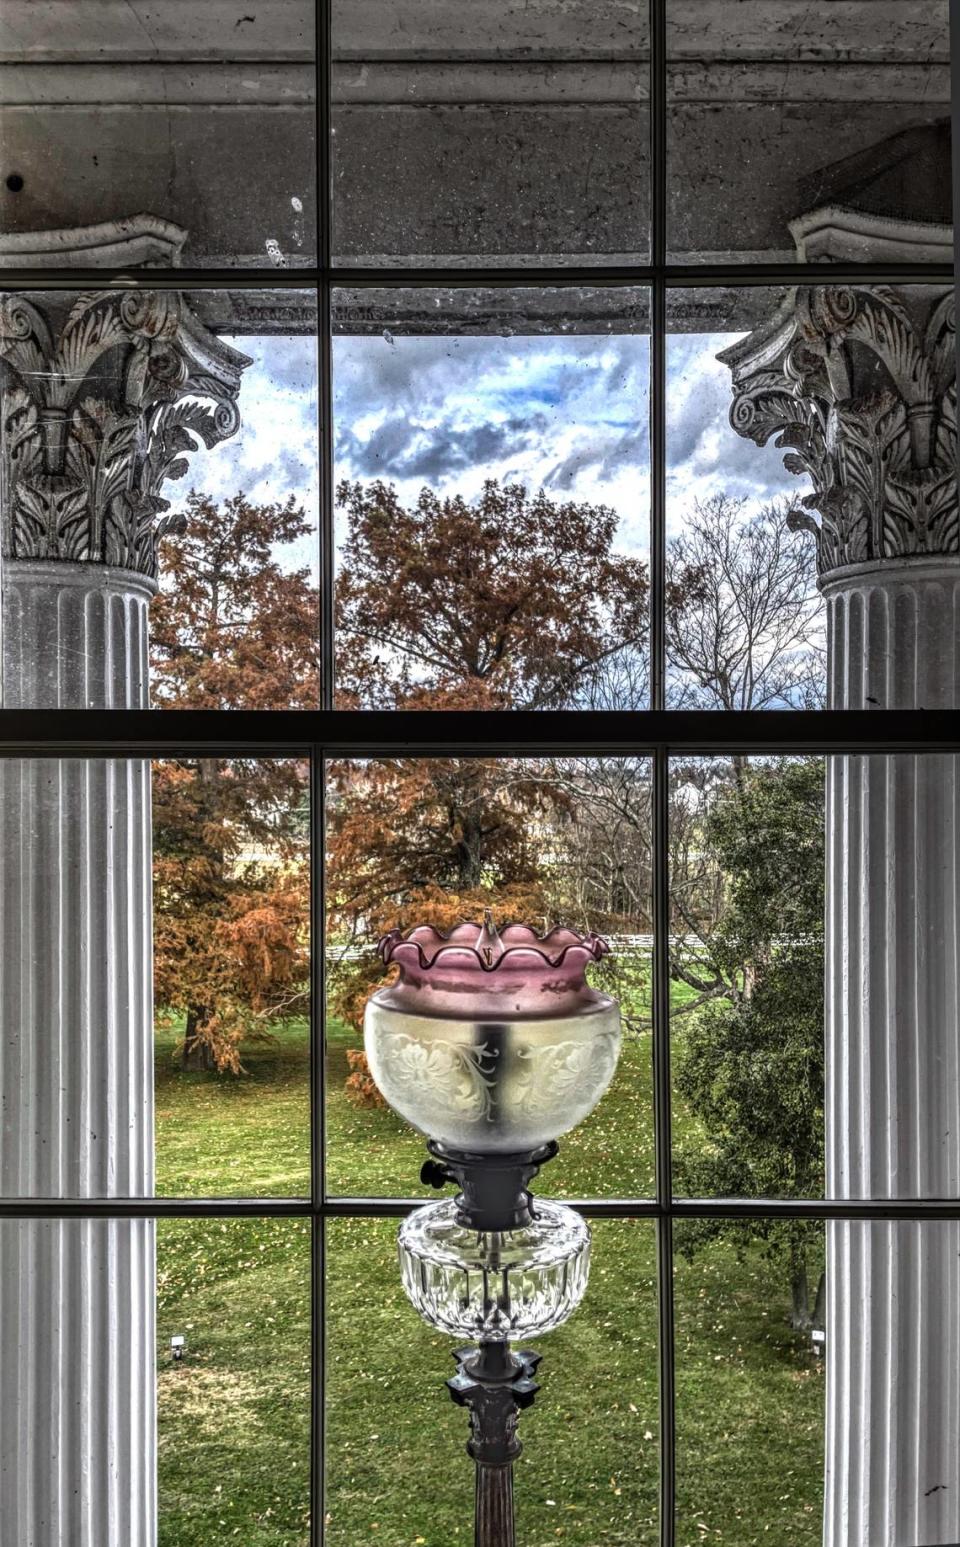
493 1044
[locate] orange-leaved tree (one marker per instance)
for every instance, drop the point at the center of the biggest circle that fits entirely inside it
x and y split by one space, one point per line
232 628
517 599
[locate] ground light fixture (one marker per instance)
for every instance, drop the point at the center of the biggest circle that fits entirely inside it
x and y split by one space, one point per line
493 1044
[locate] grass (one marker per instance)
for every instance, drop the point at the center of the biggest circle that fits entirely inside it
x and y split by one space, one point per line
234 1415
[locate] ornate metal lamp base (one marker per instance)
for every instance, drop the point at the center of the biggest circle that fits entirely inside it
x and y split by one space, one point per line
495 1386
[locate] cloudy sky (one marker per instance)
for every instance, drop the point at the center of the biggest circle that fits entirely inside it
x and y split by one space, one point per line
569 414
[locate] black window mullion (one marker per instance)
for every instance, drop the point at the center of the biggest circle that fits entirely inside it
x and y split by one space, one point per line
318 1146
662 1128
324 46
663 1142
318 919
597 276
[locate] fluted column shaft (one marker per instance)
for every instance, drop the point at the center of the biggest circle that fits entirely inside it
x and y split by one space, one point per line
493 1507
893 1068
77 1357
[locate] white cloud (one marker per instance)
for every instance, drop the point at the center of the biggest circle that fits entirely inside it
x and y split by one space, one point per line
569 413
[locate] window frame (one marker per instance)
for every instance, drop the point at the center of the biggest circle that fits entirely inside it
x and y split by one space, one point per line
658 734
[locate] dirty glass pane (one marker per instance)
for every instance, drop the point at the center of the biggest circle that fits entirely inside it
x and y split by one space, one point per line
154 993
813 949
545 841
809 432
747 862
491 133
808 131
492 470
745 620
750 1309
233 1397
161 488
158 135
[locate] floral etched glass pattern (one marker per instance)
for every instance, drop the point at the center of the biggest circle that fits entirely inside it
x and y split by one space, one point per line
492 1042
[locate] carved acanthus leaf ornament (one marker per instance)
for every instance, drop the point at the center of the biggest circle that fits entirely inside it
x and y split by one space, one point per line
858 384
103 395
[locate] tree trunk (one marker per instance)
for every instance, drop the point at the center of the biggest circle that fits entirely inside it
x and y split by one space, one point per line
467 822
197 1053
800 1318
820 1303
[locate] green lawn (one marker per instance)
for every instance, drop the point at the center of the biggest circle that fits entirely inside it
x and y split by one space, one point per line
234 1422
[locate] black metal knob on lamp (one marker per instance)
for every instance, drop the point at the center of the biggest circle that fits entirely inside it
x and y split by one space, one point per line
433 1173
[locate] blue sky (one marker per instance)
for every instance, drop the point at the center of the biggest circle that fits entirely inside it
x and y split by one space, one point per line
568 413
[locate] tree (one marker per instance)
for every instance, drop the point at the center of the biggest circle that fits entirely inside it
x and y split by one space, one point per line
751 1065
515 599
746 630
231 629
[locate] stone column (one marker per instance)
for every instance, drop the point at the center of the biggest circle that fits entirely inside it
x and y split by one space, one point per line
101 395
860 384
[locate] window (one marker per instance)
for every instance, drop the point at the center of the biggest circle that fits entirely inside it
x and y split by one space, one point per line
546 411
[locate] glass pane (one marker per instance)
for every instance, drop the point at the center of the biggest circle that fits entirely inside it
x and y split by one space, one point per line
234 1399
231 967
814 953
811 132
495 134
396 1468
492 462
810 439
166 437
135 1353
165 135
428 840
850 1356
747 971
749 1316
745 619
196 1009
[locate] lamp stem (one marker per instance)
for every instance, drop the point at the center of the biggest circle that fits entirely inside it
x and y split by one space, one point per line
493 1514
494 1385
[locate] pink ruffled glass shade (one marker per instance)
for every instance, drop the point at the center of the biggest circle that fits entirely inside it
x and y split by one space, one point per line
475 970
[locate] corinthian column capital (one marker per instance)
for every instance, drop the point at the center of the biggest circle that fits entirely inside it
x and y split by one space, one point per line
858 384
103 395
